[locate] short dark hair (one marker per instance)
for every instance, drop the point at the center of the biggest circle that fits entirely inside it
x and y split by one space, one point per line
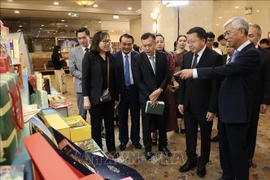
201 33
160 35
215 44
126 35
147 35
264 41
98 36
220 37
210 35
136 48
83 29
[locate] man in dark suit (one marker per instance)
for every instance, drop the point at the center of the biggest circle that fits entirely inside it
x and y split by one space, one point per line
264 43
262 90
129 94
198 100
226 57
235 98
151 76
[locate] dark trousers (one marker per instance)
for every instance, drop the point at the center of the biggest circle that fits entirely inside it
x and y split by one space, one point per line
147 120
129 100
103 111
252 132
192 121
233 151
80 104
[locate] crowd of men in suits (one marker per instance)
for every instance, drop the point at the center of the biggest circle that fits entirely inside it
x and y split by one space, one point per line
235 88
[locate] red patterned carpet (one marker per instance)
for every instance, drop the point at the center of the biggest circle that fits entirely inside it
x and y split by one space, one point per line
167 167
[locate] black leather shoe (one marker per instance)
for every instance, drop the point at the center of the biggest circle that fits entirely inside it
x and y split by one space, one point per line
166 151
215 139
114 154
201 171
188 166
123 146
148 155
138 146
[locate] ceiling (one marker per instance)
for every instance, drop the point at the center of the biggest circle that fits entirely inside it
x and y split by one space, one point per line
43 18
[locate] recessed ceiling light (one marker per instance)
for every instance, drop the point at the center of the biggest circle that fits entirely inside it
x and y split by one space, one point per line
236 7
63 20
56 3
217 24
66 25
115 17
129 8
112 30
99 22
220 17
17 12
124 31
41 25
95 5
85 26
9 0
20 25
258 10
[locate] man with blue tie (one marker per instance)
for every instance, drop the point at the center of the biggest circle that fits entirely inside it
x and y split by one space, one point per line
129 95
235 98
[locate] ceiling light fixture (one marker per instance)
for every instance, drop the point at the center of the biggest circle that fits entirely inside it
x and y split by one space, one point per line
129 8
115 17
56 3
16 12
84 3
95 5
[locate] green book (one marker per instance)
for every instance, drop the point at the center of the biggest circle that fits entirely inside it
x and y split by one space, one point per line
158 110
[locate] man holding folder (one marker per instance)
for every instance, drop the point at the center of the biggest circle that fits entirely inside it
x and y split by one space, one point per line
151 76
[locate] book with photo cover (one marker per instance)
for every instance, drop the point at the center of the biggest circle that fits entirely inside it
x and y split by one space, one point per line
12 172
158 110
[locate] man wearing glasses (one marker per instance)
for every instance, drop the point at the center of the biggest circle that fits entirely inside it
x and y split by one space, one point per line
235 97
76 55
198 100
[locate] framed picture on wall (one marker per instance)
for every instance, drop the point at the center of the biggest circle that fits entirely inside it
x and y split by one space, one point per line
66 43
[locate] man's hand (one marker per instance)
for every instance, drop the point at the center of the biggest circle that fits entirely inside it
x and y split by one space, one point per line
119 100
176 84
86 103
181 108
154 96
154 103
263 108
185 74
210 116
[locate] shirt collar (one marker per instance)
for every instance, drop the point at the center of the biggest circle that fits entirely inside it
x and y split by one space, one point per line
243 45
83 48
123 54
201 52
152 56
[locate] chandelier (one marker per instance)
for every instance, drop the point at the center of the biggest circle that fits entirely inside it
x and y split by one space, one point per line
85 3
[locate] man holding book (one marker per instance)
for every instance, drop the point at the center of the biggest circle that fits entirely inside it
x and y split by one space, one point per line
151 76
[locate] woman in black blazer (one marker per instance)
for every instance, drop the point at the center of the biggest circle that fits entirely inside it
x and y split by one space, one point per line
60 76
94 82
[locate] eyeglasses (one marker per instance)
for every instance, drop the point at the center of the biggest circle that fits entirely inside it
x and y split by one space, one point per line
107 41
228 33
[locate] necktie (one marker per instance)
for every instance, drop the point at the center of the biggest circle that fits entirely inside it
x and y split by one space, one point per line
229 60
153 64
235 53
195 60
127 73
86 49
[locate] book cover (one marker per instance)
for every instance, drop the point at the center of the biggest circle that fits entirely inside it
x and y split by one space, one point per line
12 172
158 110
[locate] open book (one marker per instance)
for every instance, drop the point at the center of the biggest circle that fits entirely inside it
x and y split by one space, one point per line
158 110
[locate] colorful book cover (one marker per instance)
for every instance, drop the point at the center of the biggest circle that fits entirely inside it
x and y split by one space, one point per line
12 172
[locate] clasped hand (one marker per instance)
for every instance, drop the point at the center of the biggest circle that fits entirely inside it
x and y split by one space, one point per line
154 96
185 73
